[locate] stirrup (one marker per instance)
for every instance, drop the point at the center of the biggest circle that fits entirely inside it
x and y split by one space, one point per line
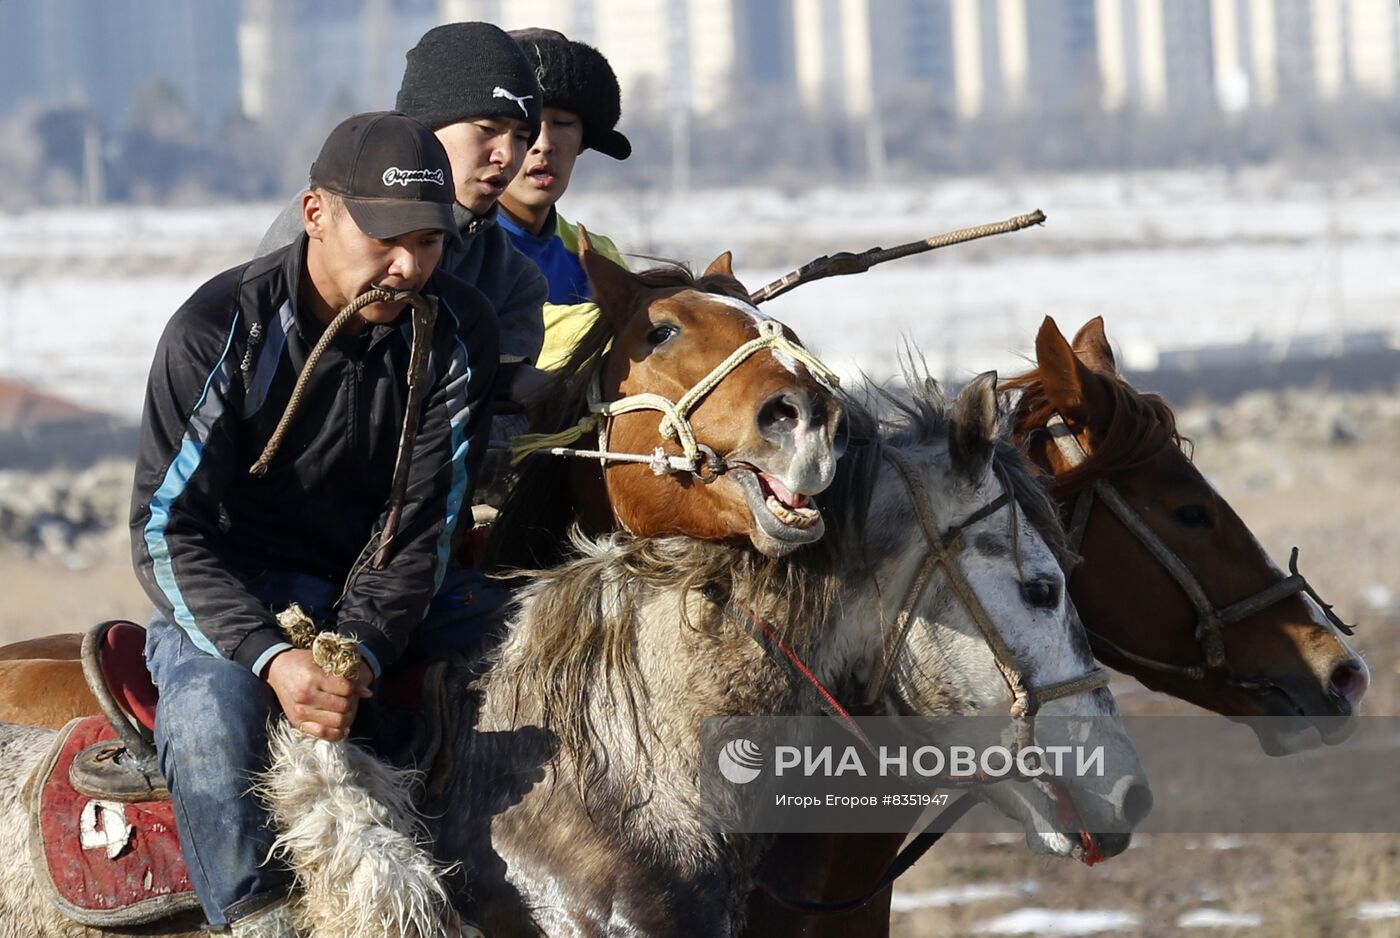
121 769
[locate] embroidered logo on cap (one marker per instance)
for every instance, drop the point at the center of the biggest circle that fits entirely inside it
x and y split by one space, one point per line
393 176
499 92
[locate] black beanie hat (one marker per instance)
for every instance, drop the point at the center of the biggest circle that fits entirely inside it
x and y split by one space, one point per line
465 70
575 77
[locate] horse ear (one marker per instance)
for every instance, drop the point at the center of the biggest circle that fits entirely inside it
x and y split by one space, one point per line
614 287
722 266
1092 348
975 427
1070 386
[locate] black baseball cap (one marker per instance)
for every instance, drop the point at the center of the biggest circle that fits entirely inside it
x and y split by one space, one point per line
391 172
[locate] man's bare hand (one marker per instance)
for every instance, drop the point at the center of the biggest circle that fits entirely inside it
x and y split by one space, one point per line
315 702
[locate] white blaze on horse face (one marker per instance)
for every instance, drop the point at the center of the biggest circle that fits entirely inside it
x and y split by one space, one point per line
782 358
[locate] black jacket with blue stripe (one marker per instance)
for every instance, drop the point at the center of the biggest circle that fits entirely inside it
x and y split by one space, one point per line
202 526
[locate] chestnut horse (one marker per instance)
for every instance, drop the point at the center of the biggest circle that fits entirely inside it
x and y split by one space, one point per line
766 423
1280 654
667 331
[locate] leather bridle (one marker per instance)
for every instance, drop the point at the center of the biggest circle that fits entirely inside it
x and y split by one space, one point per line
943 546
1211 619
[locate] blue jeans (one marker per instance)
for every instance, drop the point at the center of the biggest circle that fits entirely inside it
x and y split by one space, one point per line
211 732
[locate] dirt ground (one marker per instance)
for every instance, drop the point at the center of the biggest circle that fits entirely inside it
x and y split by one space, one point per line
1331 487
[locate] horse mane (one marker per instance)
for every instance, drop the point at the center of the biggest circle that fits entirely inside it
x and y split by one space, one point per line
538 514
588 606
921 418
1140 425
586 646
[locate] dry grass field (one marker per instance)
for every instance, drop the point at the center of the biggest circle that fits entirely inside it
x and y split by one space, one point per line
1323 474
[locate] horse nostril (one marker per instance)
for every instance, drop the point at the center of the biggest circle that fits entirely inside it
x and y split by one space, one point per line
1137 804
1349 682
781 414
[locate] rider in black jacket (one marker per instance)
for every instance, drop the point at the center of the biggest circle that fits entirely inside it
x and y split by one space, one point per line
220 549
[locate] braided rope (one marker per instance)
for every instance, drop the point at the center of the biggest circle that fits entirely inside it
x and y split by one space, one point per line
845 263
351 309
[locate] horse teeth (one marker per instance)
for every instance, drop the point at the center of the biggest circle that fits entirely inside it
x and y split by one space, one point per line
801 518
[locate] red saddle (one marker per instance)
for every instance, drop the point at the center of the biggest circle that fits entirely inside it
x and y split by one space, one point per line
102 862
120 651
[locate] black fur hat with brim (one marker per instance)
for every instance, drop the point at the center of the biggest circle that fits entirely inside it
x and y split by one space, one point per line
575 77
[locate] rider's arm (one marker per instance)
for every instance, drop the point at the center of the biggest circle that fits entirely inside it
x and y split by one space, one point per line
519 296
187 455
383 607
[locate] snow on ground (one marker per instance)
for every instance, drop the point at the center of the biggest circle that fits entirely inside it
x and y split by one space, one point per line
1056 922
1218 918
960 895
1375 911
1172 261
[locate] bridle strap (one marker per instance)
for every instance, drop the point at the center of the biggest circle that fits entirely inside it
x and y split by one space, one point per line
1211 620
939 556
675 415
771 642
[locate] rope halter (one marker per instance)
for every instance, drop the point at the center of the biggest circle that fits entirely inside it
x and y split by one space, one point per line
697 459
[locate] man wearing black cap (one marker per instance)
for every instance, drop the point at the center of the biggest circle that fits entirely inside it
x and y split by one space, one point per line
475 88
220 545
582 104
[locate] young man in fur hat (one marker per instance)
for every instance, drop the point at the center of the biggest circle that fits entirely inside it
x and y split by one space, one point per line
582 104
472 84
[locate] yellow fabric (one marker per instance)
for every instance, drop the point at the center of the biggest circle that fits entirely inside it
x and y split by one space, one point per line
565 324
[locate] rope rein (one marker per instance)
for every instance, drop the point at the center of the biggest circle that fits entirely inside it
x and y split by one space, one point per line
420 354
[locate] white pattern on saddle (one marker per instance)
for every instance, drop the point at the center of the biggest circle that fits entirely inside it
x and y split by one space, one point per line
103 826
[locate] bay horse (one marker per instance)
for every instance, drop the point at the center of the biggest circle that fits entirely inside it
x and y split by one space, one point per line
748 399
576 807
1284 656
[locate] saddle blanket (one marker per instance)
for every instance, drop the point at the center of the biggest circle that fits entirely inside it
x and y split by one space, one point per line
103 863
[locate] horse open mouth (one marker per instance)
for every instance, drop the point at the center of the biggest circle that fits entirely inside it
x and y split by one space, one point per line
1089 850
780 512
790 507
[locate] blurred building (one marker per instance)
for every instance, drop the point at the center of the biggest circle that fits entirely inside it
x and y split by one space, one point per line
100 55
278 61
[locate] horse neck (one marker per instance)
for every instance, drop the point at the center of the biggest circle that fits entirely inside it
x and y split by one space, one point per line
654 663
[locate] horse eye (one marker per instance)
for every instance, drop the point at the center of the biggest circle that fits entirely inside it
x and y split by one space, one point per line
1192 516
1041 593
661 333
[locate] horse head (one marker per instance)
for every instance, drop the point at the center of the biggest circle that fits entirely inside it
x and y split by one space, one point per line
732 425
770 419
1174 588
964 538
